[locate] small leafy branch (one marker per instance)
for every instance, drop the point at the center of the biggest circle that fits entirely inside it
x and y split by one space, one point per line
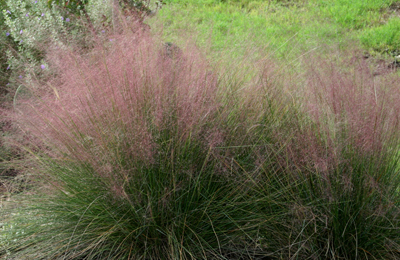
74 6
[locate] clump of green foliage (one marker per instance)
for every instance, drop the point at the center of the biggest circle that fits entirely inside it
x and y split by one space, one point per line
34 27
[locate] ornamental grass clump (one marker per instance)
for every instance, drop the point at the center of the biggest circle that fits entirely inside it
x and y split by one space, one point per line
345 163
144 155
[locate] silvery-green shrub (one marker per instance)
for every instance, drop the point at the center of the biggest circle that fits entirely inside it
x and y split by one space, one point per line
5 42
36 26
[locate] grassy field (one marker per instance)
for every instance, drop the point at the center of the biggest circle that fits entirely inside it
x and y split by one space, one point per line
286 28
212 130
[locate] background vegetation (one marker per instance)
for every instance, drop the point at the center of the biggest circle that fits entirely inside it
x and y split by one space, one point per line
289 28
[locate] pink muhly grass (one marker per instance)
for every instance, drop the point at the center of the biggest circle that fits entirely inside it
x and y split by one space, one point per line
109 106
133 123
342 151
339 115
350 108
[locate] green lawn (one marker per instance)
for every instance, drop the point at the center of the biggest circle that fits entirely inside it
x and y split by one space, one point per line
288 28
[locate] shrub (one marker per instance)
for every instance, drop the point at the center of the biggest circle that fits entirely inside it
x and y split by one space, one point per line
5 43
36 27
